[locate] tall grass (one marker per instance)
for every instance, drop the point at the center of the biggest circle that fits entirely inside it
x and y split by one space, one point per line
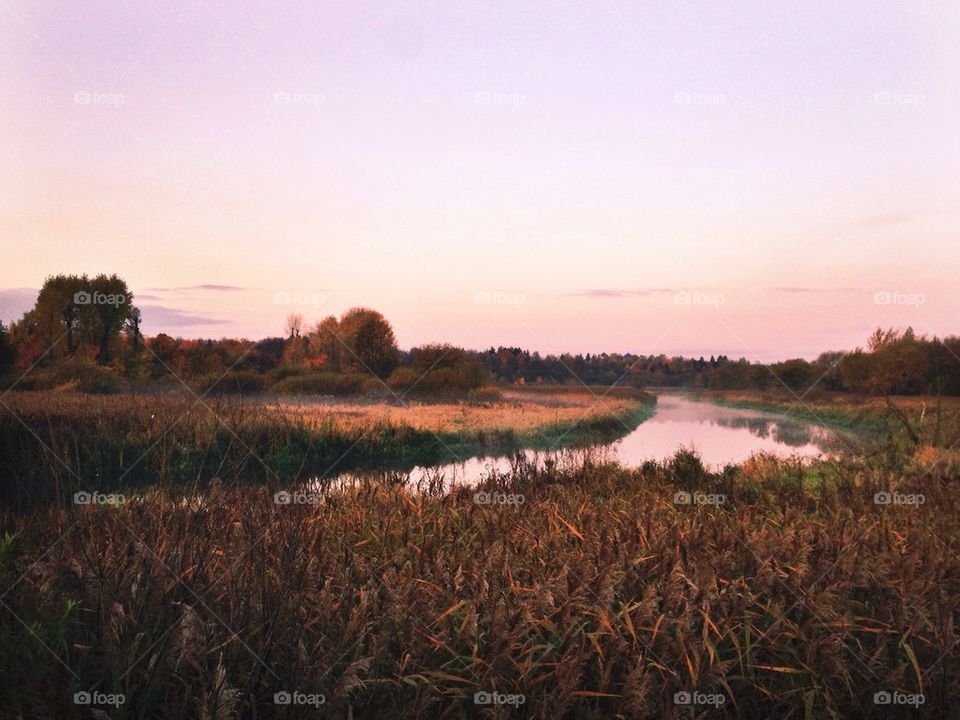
597 596
52 445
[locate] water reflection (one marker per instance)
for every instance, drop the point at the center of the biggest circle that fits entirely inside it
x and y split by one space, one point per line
722 436
793 433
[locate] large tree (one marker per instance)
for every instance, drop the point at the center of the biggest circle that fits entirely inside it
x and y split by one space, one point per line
80 311
368 342
108 311
55 316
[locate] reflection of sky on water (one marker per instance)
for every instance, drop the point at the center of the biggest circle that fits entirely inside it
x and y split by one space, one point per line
722 436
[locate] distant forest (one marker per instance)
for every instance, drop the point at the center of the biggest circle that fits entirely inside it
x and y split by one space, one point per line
84 333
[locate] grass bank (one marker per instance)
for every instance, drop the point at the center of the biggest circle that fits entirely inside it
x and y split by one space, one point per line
842 412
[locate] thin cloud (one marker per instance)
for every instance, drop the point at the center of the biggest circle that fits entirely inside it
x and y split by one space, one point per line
812 290
156 318
213 287
603 293
881 220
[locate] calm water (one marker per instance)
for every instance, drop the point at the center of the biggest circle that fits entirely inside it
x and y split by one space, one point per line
721 435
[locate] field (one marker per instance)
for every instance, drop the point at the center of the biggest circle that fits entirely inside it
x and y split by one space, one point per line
594 591
522 412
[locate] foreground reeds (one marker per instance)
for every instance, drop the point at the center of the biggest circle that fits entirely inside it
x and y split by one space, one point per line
601 592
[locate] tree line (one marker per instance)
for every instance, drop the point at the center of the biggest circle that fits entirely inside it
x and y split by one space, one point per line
84 332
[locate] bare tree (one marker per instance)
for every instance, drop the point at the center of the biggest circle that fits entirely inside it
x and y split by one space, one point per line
294 325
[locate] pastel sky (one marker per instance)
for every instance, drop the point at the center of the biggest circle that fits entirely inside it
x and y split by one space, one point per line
761 179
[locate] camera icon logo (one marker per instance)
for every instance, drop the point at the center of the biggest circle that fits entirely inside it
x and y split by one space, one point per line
282 698
681 497
82 498
82 698
82 298
282 498
482 698
882 498
682 698
882 698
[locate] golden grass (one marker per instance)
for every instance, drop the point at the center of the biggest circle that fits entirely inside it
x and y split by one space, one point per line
519 411
838 400
53 444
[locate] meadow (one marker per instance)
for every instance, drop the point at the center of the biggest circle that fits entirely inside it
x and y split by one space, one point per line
771 589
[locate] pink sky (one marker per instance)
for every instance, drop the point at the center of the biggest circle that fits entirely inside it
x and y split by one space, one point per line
757 179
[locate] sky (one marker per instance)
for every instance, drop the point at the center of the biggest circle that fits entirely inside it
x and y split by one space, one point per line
758 179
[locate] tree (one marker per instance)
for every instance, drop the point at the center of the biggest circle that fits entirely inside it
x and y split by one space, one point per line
132 329
80 310
368 341
294 325
796 374
57 311
107 310
8 353
325 343
438 368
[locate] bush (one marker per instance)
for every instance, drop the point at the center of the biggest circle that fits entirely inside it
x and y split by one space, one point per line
322 383
439 369
80 375
402 379
241 381
686 466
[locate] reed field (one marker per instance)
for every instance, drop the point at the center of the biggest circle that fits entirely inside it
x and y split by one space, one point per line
53 444
520 412
581 590
596 596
